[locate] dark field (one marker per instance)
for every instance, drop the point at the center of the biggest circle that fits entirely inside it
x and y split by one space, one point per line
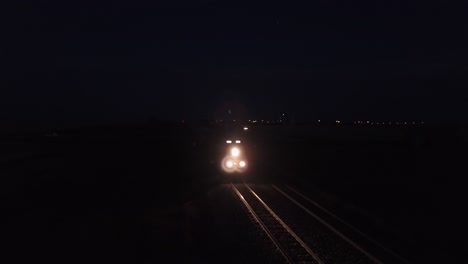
131 194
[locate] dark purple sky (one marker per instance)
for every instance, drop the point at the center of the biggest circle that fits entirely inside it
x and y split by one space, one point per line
127 60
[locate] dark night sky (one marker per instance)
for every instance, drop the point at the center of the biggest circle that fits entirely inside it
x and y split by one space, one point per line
131 60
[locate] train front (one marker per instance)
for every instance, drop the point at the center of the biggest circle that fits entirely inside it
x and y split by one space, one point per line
235 160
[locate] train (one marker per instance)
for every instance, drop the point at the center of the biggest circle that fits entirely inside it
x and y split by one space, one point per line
235 160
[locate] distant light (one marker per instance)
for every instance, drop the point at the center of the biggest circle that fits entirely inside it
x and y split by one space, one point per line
413 123
338 121
422 122
283 114
229 164
235 152
246 128
242 164
405 123
229 141
389 123
238 141
368 122
234 120
319 120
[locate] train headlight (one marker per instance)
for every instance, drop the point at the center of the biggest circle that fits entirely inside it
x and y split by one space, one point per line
235 152
242 164
229 164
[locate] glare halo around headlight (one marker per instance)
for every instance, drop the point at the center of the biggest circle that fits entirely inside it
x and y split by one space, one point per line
235 152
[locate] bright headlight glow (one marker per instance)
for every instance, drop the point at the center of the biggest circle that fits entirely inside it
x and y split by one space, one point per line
229 164
229 141
242 164
235 152
238 141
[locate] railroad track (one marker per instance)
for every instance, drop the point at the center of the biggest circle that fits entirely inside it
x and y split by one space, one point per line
288 243
305 232
359 240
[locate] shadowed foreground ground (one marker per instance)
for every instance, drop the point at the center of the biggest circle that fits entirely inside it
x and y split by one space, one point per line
136 196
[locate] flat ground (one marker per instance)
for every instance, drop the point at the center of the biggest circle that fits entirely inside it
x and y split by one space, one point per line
127 194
